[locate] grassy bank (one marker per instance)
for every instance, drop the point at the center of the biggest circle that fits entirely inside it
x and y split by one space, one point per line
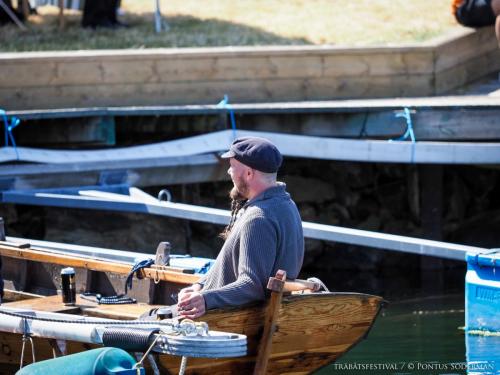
195 23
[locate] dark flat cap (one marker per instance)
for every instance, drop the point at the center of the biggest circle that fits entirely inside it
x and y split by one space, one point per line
257 153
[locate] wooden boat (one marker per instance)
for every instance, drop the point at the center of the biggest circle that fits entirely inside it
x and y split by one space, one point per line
311 329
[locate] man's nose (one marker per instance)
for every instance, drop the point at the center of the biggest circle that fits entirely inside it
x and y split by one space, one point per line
229 171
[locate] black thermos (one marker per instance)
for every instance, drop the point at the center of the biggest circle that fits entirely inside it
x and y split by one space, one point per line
68 286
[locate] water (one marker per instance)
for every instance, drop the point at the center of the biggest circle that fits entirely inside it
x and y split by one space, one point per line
421 336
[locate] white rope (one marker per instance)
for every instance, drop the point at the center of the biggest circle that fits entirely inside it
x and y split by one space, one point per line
30 339
26 337
187 327
138 365
318 281
182 369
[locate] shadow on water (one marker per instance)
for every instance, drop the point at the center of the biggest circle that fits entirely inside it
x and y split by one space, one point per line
421 336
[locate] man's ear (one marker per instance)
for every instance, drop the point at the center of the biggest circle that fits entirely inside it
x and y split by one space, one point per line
250 173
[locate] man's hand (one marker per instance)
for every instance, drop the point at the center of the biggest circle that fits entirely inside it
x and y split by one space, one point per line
189 289
191 304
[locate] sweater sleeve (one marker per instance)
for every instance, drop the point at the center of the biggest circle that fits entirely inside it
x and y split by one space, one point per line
257 254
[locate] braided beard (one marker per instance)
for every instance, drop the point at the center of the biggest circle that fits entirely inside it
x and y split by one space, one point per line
237 203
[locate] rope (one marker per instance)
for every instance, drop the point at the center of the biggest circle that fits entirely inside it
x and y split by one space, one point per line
8 127
146 353
182 369
224 103
408 133
363 133
137 267
165 194
185 327
318 281
121 299
97 322
154 366
26 337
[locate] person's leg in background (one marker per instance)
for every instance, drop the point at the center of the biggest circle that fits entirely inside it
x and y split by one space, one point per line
99 13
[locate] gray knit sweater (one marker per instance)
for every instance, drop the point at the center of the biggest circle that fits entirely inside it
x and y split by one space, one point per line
267 236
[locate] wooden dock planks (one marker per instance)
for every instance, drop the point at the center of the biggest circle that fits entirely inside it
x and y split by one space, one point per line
204 75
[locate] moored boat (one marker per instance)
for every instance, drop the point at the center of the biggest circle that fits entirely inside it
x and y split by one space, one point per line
312 329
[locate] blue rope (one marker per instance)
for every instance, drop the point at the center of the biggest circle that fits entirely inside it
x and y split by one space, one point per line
224 103
137 267
8 127
408 133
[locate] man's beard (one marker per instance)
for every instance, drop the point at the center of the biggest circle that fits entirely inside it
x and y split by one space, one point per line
239 190
237 203
235 194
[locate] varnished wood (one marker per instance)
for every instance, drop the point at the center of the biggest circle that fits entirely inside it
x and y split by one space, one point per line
276 285
15 295
55 348
11 349
50 304
300 286
313 330
38 255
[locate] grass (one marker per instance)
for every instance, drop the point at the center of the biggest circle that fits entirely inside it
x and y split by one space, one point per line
195 23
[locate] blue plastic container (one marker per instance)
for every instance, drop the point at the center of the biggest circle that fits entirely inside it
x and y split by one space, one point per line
482 291
102 361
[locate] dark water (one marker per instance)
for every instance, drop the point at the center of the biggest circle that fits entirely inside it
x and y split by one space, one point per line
421 336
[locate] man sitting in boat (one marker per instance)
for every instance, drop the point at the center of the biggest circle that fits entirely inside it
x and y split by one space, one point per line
264 233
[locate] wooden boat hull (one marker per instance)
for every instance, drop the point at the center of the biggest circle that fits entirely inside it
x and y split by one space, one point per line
313 329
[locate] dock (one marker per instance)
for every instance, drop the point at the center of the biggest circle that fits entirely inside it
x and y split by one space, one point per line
447 130
123 199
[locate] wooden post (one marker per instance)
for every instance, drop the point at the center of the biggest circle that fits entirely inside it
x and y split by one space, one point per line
161 260
61 14
414 192
276 285
91 281
25 9
432 278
